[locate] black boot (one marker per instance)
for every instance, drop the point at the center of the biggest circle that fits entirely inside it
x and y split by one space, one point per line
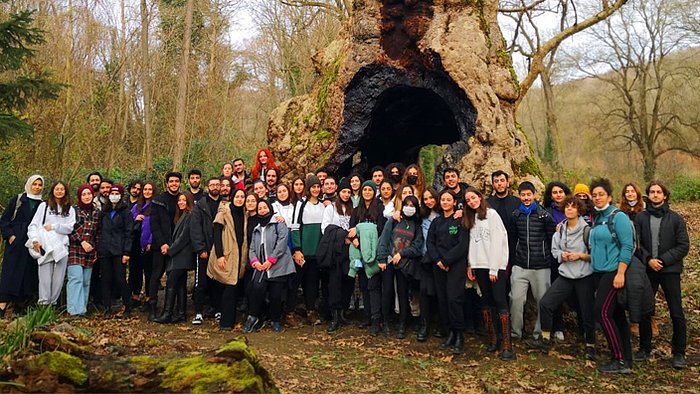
181 310
506 343
401 331
343 320
374 328
386 329
335 321
491 330
458 347
151 308
450 341
167 316
422 335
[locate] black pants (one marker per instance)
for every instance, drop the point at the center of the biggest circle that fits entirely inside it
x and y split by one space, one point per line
558 313
449 287
140 265
96 283
157 271
472 309
293 290
201 284
227 300
671 285
310 278
493 295
176 279
560 290
340 287
371 295
612 317
114 275
388 293
274 289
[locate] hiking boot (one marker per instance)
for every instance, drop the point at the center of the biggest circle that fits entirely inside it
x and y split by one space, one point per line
615 366
450 341
374 328
590 351
335 322
198 320
458 347
507 344
541 344
401 331
641 355
249 324
678 361
217 317
386 329
422 334
491 330
276 326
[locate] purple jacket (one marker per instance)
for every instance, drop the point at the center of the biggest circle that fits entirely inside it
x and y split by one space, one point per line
146 235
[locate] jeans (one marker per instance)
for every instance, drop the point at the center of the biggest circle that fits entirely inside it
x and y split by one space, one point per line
78 289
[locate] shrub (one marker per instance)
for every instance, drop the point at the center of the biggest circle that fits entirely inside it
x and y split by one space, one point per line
684 188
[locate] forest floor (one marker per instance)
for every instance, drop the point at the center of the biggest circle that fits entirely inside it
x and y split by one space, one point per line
308 360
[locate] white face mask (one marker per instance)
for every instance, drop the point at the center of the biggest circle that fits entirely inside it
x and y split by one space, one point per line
602 209
409 211
632 203
114 198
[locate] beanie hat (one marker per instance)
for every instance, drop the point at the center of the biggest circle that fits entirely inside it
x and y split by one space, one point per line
344 184
82 188
310 181
582 188
117 188
369 183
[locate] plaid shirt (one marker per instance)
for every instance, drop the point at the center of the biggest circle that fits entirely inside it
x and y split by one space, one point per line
86 228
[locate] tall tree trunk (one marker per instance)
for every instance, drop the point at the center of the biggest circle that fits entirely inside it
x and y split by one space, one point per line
181 108
551 116
146 87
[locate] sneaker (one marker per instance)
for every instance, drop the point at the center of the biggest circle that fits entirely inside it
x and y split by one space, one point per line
540 344
276 326
615 366
590 352
678 361
259 325
249 324
198 319
640 355
217 317
559 335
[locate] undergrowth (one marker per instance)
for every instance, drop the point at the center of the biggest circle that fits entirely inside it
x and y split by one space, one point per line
15 339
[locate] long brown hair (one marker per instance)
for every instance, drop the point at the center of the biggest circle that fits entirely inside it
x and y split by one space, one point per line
470 215
142 200
625 207
419 187
65 201
188 207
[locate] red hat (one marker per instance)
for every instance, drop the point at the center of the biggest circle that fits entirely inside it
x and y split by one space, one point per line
117 188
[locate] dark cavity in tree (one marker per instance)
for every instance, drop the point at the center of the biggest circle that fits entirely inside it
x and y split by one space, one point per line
404 22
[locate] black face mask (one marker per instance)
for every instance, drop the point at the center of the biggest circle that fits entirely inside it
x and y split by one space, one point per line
395 178
412 179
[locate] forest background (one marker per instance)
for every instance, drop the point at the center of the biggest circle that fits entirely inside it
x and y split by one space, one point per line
133 88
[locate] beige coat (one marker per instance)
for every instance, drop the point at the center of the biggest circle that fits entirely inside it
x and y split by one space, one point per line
235 269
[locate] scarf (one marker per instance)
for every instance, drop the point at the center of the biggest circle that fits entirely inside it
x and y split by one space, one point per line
238 214
527 210
659 211
28 187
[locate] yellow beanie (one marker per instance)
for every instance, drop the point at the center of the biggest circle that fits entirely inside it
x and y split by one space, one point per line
581 188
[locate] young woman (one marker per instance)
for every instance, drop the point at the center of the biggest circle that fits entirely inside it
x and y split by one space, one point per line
355 183
19 277
82 253
395 172
554 196
394 210
584 195
141 263
305 242
487 264
182 259
57 215
113 247
335 226
260 189
298 190
227 170
366 223
283 207
398 253
263 162
251 208
631 201
429 211
448 245
386 198
227 263
415 178
609 259
271 261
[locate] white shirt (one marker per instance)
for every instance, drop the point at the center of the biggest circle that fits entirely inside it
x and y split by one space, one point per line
488 243
331 216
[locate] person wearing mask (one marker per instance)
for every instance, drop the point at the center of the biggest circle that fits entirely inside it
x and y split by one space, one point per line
271 261
396 172
355 184
263 162
82 253
448 247
141 262
181 259
393 210
163 210
611 254
398 254
663 245
240 177
631 201
430 209
414 177
113 248
228 258
58 216
202 236
533 229
19 277
450 178
135 187
570 248
194 180
487 263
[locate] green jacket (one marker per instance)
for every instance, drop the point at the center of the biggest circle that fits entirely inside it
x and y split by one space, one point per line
369 238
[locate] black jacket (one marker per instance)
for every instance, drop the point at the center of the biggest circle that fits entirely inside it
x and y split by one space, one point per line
448 241
637 296
18 277
332 251
533 237
505 208
181 254
163 219
116 234
673 239
202 226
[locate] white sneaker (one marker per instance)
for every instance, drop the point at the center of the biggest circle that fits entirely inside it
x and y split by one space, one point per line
559 335
198 319
217 316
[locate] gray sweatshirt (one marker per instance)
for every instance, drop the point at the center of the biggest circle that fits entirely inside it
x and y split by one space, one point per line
566 240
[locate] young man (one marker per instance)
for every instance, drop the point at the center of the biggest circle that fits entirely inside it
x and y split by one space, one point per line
94 180
102 196
377 176
663 239
163 210
240 177
202 236
533 229
451 178
329 189
194 179
135 187
322 174
504 203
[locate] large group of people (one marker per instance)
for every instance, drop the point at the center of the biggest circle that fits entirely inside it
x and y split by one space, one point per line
456 261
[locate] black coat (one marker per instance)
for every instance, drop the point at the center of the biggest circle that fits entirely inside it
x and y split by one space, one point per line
505 208
181 253
116 234
202 226
163 210
19 276
448 241
674 243
332 251
533 238
637 296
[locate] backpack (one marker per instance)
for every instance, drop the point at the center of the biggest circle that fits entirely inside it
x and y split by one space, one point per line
586 234
613 233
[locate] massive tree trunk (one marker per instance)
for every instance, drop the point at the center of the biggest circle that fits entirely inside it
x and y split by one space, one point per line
146 87
183 80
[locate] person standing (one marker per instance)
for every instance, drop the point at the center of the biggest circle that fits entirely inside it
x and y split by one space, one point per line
554 196
55 215
19 277
163 209
135 187
263 162
664 243
452 182
430 209
94 179
240 177
194 180
113 248
82 252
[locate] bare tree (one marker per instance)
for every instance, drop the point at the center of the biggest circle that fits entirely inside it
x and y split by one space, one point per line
183 81
146 88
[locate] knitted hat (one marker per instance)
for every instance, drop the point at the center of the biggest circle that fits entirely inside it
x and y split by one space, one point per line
310 181
117 188
369 183
581 188
344 184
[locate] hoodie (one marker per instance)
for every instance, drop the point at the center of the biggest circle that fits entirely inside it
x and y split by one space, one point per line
571 240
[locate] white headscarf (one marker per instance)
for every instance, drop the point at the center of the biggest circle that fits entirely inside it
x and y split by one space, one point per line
28 187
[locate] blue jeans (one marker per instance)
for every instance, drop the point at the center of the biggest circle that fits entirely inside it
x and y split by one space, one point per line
78 289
